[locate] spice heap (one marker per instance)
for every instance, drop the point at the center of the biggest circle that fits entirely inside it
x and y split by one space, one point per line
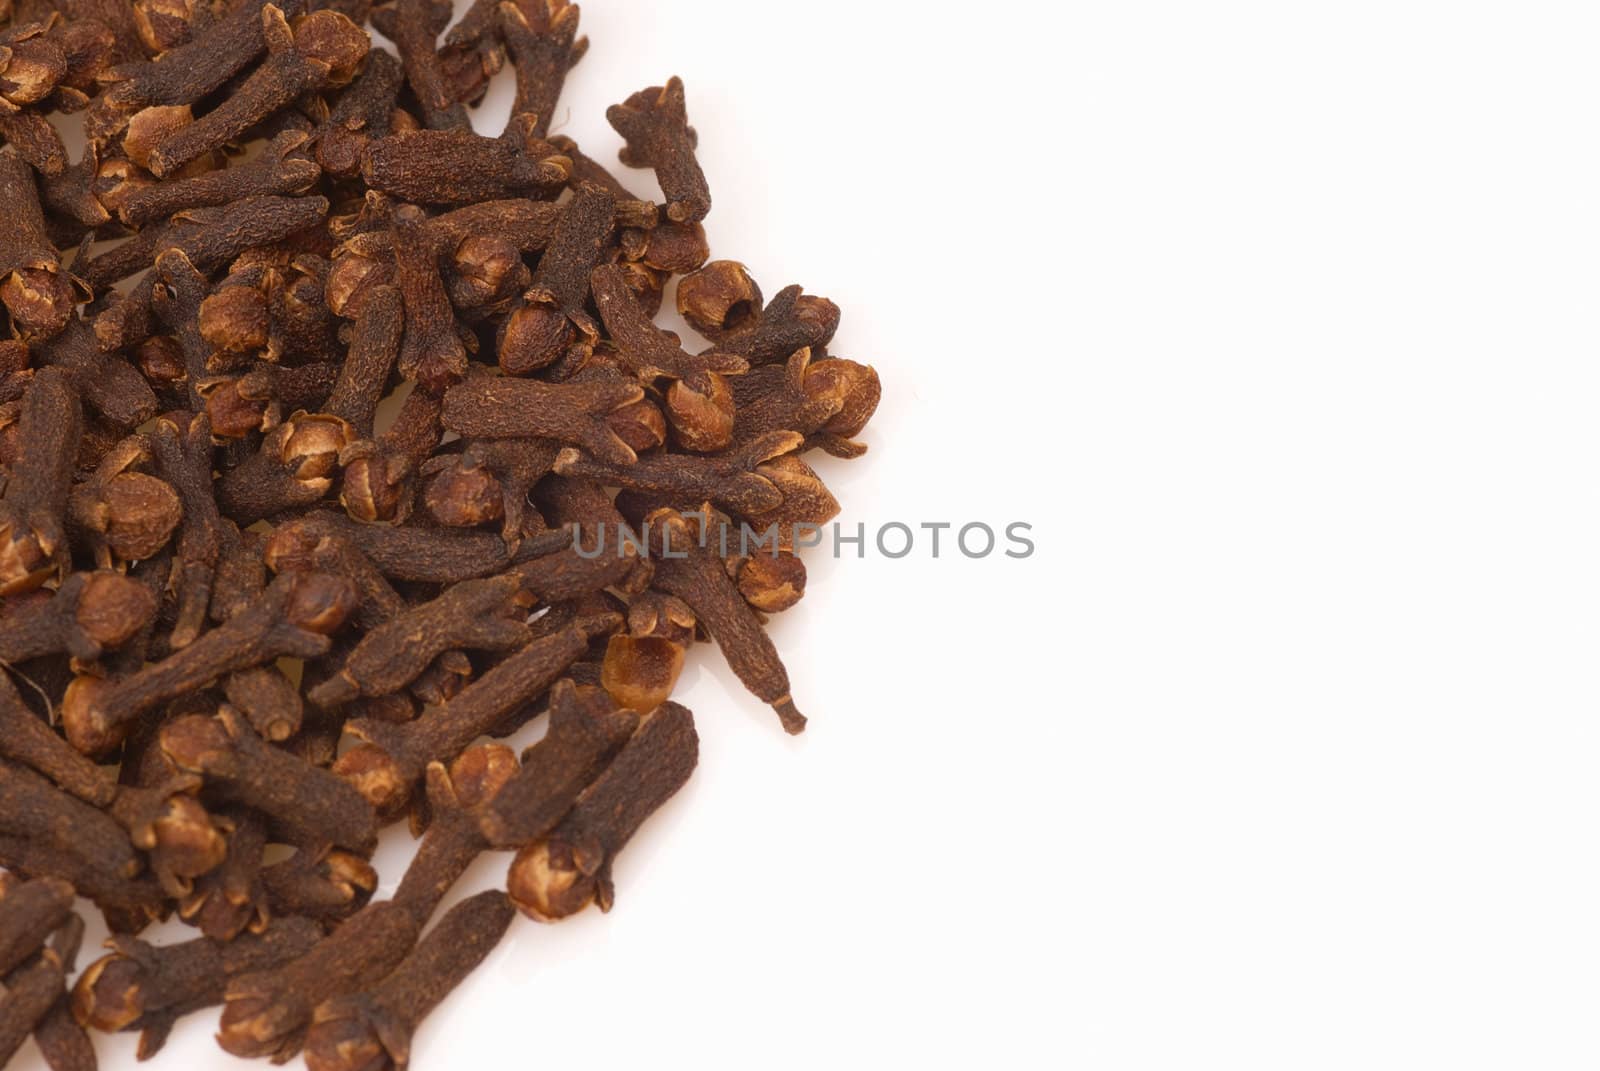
245 622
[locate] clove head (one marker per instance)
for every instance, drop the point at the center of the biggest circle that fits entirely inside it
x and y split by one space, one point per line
719 298
312 445
320 602
39 300
85 729
137 514
464 495
552 880
185 839
235 319
113 608
534 335
110 994
700 409
772 582
331 39
375 775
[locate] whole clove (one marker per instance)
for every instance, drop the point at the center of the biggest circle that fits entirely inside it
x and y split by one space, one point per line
29 914
374 1028
478 614
655 123
391 759
147 988
32 991
291 619
35 290
231 758
33 538
571 868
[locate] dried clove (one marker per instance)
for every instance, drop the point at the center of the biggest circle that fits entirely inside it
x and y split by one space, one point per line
29 914
542 39
556 770
374 1028
35 290
33 539
551 316
237 763
391 758
414 26
379 476
689 567
481 615
430 555
230 899
324 49
26 739
33 990
655 123
363 112
571 868
648 350
120 514
147 988
280 168
291 619
501 407
458 166
89 614
432 352
739 480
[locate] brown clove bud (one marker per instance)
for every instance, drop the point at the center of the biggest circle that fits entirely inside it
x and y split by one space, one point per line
143 987
121 514
460 167
556 770
429 555
294 468
292 618
649 351
88 615
552 316
689 566
305 799
485 615
35 290
571 868
280 168
655 123
386 767
26 739
323 49
29 913
363 112
500 407
372 1030
33 541
738 480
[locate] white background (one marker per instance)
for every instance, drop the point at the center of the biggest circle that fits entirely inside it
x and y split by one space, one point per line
1277 322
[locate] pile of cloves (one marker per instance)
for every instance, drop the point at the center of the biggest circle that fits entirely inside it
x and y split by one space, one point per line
339 441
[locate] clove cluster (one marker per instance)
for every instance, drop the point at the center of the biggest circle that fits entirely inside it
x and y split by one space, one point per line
339 441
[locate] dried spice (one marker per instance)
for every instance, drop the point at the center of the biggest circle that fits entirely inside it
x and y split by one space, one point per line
392 758
32 991
374 1028
335 436
143 987
236 762
571 868
29 914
